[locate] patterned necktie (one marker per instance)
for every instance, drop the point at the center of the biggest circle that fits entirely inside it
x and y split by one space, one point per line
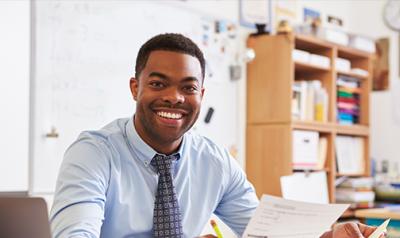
167 220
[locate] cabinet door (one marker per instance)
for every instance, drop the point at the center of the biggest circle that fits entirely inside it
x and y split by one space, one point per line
14 94
268 157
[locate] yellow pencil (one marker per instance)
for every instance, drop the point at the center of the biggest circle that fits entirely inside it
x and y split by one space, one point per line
216 229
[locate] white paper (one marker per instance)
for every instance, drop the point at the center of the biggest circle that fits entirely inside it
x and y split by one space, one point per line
350 154
255 11
306 187
280 218
380 230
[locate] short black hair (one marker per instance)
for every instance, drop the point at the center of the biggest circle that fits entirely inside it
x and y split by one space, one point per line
169 42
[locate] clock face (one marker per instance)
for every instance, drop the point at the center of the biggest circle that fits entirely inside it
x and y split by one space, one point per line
391 14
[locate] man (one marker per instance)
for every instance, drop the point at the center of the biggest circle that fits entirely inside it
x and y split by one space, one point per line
147 176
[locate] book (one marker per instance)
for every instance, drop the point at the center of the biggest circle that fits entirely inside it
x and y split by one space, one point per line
309 101
349 195
322 152
363 182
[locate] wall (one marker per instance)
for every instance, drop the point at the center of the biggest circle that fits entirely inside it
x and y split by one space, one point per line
14 94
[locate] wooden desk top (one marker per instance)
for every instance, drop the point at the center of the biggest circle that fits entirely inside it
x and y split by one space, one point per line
378 213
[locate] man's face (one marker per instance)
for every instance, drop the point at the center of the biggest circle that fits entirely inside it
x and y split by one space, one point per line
168 93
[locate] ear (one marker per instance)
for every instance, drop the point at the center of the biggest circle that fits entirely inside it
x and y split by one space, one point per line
202 92
134 85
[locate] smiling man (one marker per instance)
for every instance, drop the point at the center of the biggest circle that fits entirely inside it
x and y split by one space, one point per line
148 175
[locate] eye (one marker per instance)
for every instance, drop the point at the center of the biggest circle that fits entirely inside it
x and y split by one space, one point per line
156 84
190 89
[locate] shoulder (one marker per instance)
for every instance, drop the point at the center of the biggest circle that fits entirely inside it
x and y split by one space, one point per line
203 144
207 151
98 145
106 136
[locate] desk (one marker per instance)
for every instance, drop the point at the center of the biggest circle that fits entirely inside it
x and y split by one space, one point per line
375 217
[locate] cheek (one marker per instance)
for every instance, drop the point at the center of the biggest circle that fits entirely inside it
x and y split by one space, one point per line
195 104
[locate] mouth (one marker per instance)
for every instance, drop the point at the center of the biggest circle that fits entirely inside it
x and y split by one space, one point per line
170 118
170 115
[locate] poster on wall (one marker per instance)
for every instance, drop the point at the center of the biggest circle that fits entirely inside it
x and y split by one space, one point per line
255 12
285 11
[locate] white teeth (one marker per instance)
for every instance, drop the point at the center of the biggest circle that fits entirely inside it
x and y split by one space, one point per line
170 115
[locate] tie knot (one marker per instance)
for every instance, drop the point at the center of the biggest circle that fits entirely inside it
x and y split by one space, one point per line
162 163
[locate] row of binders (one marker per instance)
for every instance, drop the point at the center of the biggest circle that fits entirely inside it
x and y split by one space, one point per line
309 101
348 100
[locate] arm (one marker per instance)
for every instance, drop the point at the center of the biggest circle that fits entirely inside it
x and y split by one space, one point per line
78 208
239 200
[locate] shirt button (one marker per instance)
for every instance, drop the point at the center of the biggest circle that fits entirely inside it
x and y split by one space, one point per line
146 163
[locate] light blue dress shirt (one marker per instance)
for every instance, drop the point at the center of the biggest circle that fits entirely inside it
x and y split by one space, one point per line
106 186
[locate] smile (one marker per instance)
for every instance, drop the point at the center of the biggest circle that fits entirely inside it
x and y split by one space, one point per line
170 115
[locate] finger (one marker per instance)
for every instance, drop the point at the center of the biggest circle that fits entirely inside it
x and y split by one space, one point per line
366 230
354 230
207 236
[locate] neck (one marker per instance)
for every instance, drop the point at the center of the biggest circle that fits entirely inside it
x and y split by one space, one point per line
162 147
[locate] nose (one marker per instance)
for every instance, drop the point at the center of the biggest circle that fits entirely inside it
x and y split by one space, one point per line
173 96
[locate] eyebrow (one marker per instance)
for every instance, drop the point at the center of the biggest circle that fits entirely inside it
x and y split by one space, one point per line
165 77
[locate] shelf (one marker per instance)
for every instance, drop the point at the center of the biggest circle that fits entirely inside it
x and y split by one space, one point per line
328 170
270 123
351 175
352 75
311 43
356 130
377 213
309 68
312 126
351 53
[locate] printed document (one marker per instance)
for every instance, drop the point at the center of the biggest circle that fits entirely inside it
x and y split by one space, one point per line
276 217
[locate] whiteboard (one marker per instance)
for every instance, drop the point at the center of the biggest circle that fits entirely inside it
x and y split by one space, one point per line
84 55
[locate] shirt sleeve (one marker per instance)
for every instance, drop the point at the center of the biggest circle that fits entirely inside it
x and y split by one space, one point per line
78 208
239 200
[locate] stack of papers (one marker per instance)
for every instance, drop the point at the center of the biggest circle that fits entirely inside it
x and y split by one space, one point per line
279 218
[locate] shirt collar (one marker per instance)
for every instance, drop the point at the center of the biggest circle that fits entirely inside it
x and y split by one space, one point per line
142 149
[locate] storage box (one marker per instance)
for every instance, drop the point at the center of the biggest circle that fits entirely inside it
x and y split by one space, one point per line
305 149
300 56
343 65
320 60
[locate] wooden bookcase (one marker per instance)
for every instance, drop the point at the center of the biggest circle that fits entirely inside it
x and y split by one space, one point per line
270 77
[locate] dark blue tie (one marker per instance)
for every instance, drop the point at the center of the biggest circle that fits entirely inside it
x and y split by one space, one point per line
167 219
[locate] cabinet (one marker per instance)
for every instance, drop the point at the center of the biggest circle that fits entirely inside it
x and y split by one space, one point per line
270 120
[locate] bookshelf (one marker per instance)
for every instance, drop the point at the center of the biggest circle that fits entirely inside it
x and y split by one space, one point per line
271 77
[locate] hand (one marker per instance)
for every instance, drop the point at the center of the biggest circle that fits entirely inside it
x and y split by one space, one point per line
207 236
350 230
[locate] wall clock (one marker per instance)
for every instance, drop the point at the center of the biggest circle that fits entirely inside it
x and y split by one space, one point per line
391 14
